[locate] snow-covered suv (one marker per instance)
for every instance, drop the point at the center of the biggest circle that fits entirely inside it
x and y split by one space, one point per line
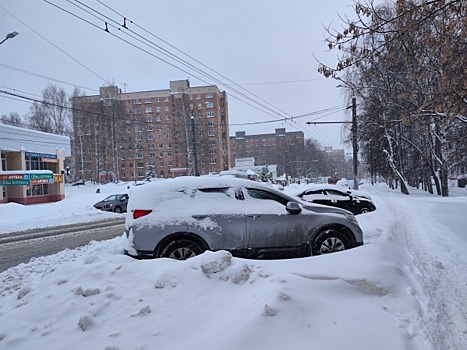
183 217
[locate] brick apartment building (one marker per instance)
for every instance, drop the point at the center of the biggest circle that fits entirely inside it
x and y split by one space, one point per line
182 130
285 149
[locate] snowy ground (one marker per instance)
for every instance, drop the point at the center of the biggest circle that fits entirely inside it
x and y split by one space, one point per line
406 288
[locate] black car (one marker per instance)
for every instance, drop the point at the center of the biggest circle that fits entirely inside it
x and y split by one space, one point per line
338 197
115 202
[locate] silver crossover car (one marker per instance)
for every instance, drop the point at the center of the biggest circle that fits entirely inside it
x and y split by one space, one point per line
183 217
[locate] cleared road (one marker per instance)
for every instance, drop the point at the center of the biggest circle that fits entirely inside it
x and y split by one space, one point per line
20 247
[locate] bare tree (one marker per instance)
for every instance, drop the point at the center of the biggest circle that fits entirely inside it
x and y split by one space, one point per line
13 119
53 113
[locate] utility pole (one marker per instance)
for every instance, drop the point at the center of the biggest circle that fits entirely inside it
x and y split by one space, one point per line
354 143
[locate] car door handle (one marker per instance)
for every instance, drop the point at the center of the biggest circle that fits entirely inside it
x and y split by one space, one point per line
254 216
199 217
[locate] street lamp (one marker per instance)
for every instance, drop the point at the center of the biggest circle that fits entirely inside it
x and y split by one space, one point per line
9 36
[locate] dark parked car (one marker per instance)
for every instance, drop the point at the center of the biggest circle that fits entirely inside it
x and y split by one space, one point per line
337 196
183 217
115 202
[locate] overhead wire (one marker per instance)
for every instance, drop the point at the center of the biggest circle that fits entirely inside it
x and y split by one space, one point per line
286 119
149 53
51 43
187 55
168 53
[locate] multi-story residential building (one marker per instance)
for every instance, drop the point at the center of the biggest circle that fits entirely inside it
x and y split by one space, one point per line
286 149
178 131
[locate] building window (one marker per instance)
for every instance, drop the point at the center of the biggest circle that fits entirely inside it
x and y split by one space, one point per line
158 118
190 97
209 95
137 101
137 110
158 109
211 115
148 110
198 97
211 133
167 127
139 128
161 163
151 146
139 137
211 124
213 170
158 99
160 145
37 190
167 117
212 151
150 137
139 156
148 100
149 128
213 161
169 154
140 165
169 145
151 155
209 105
149 119
166 108
166 99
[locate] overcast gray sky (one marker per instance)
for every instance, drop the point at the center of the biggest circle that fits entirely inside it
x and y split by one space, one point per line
264 46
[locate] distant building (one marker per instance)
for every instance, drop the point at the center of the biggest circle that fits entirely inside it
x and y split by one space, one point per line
337 164
32 169
117 134
285 149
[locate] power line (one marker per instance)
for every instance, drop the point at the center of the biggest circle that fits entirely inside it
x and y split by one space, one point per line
51 43
44 77
165 52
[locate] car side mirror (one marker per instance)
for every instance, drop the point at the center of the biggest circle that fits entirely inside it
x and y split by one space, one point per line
293 208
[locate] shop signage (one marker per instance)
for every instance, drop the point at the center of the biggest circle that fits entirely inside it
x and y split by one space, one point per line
40 155
26 179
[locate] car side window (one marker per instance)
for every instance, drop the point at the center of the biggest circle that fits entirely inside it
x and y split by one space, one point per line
261 194
314 195
338 195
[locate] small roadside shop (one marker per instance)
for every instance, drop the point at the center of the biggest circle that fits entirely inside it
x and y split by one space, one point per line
32 167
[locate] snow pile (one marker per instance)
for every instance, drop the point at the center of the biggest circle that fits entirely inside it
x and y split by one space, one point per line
404 289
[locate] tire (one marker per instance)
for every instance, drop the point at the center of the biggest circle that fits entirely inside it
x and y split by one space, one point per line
329 241
117 210
182 249
364 210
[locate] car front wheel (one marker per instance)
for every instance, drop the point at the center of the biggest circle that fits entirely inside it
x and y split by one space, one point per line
117 210
329 241
181 249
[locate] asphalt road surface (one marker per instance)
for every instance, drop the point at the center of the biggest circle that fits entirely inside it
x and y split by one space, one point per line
20 247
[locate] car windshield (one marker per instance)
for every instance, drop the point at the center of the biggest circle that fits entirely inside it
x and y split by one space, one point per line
113 197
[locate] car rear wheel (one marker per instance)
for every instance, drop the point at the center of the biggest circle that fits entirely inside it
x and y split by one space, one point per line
329 241
364 210
181 249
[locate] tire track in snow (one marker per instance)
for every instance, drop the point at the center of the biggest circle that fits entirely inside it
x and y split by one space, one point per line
440 275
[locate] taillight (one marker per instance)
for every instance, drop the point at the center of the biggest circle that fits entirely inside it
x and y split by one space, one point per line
137 213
